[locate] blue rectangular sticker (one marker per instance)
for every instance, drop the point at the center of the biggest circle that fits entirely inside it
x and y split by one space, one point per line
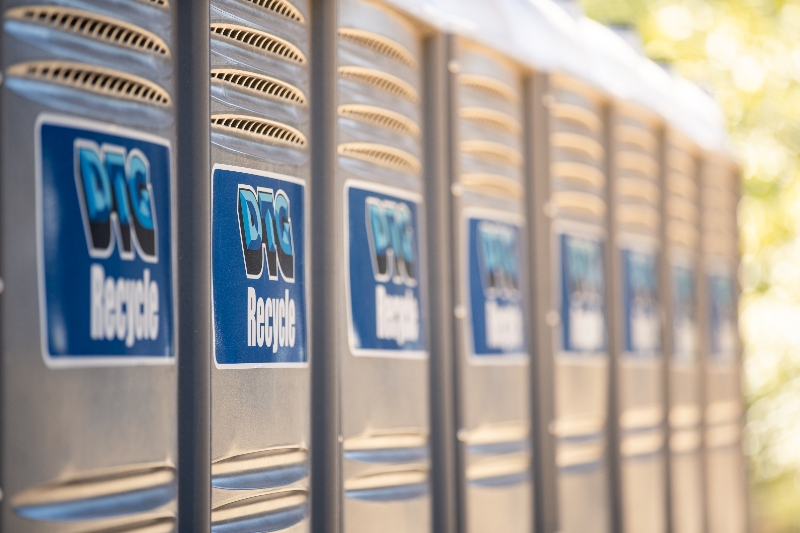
494 287
722 319
642 320
383 270
684 314
258 261
104 217
582 298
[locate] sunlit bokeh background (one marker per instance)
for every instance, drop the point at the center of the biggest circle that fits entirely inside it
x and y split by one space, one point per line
747 54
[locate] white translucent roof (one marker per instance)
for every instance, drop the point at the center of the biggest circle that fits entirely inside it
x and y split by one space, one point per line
542 35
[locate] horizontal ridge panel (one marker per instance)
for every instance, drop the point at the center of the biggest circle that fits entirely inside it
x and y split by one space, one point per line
258 514
113 492
388 484
388 446
261 469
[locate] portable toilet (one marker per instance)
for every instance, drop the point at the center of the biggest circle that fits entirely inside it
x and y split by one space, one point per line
261 181
89 381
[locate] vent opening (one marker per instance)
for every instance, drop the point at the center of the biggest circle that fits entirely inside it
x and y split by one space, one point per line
494 184
159 3
489 86
264 85
261 129
282 8
261 41
95 79
381 118
379 44
577 114
493 152
380 80
491 118
92 26
381 155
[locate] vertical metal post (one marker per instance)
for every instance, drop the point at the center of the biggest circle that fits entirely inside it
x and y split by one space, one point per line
702 326
326 484
667 326
193 266
438 162
537 171
613 323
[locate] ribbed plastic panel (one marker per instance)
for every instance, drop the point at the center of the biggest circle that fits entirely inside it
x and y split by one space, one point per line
379 94
490 134
259 80
577 153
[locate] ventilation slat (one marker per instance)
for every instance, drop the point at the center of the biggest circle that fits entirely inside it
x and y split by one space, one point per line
382 155
639 137
92 26
492 152
381 118
281 8
259 41
580 172
579 203
380 45
490 86
381 81
578 114
640 189
494 184
638 215
260 128
578 143
260 84
99 80
492 119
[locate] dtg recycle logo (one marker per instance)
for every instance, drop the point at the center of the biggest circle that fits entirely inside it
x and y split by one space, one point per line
258 268
494 284
383 271
105 205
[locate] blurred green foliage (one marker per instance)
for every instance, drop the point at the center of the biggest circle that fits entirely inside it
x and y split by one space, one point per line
747 54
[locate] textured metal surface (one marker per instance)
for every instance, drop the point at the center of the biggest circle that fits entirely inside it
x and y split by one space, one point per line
261 416
681 335
380 394
578 205
639 380
493 391
100 427
723 416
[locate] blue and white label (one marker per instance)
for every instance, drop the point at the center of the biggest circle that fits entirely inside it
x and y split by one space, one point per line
383 271
684 314
103 200
722 319
494 287
642 321
582 297
258 261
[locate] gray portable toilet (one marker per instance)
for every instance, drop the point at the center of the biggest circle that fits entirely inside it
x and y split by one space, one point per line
89 386
726 467
577 205
679 263
380 266
260 160
492 380
638 397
